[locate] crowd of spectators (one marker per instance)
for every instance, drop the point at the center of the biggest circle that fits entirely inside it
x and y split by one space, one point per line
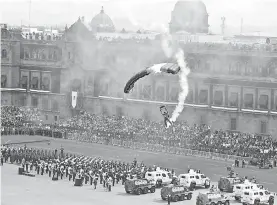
198 137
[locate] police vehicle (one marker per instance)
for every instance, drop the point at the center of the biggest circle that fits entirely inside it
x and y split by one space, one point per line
194 179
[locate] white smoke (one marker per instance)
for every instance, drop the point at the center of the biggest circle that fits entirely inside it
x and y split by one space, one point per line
166 40
183 73
183 80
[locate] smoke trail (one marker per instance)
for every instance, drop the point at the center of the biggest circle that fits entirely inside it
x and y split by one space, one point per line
166 39
183 80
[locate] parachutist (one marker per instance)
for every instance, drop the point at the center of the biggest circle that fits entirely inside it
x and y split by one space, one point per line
165 114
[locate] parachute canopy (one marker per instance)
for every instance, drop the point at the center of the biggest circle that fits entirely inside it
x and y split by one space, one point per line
170 68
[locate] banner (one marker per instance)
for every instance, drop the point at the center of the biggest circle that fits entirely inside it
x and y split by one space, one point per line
74 99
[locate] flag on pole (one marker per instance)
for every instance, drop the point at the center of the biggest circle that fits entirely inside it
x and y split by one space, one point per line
74 99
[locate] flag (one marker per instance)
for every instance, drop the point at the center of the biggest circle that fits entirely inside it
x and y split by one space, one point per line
74 99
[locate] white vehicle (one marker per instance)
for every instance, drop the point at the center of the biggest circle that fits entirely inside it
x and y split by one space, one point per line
239 189
194 179
255 197
159 177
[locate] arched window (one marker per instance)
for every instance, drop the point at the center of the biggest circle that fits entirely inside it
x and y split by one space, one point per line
4 53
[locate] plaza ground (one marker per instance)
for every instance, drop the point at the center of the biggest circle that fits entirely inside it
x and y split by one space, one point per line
41 190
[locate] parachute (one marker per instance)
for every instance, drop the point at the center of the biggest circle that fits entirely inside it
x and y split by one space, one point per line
170 68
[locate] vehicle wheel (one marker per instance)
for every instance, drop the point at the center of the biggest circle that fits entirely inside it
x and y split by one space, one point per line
145 190
236 198
192 186
152 190
139 192
219 203
175 198
212 203
182 198
256 202
128 192
163 198
227 202
189 196
271 201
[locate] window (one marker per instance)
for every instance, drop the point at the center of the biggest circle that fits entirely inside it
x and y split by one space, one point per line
233 99
34 83
248 101
218 98
207 66
34 101
263 127
24 82
233 124
22 100
43 55
3 81
146 92
203 97
174 94
163 175
4 53
160 93
263 102
45 83
55 118
69 55
46 117
55 106
189 98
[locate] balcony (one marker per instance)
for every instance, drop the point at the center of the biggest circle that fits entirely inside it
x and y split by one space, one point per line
42 63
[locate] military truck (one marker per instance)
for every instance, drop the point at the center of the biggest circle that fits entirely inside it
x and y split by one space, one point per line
212 198
139 186
227 183
176 193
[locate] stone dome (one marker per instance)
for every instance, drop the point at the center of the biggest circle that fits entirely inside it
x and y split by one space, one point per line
190 16
102 23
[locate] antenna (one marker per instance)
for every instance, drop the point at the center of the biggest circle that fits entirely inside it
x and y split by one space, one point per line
223 25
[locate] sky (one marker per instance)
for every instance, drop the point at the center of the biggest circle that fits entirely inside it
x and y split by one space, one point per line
258 15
